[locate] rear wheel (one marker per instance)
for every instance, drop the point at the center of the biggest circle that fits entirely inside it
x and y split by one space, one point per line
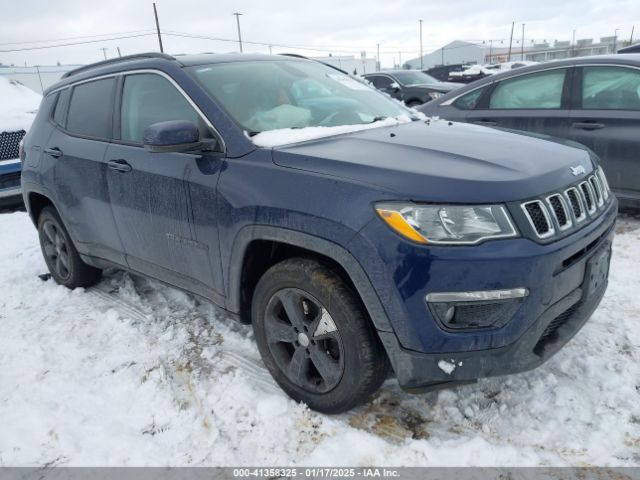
315 338
62 259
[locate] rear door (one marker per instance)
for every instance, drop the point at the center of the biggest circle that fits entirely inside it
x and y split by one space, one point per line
149 193
607 120
74 166
534 102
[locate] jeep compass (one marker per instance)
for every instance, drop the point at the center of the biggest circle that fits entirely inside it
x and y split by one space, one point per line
355 235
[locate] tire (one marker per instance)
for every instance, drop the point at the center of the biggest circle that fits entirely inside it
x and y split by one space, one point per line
315 338
60 255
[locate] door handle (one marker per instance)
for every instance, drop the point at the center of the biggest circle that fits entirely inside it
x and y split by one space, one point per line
55 152
486 123
119 165
588 125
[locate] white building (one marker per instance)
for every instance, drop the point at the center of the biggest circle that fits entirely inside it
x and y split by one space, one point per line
452 53
37 78
350 64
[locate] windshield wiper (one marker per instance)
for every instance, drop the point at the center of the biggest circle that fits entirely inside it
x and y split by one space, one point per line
378 119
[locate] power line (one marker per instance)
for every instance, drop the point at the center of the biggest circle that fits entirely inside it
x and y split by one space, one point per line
75 38
41 47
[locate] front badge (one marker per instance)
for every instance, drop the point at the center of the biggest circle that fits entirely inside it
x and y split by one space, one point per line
579 170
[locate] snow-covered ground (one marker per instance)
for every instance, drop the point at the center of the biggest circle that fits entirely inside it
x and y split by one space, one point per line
134 373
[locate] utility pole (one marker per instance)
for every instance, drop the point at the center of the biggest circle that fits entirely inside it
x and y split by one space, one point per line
119 52
442 55
490 51
522 45
155 14
631 39
378 59
104 52
399 59
615 40
573 44
237 14
510 42
39 78
420 44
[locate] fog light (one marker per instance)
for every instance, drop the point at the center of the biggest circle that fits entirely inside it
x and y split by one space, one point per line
475 310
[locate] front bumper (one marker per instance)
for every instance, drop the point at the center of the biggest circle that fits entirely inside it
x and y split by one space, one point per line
10 180
424 354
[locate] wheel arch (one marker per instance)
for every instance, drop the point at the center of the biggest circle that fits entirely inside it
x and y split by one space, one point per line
257 248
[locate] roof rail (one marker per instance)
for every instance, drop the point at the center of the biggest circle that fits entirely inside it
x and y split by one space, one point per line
112 61
295 55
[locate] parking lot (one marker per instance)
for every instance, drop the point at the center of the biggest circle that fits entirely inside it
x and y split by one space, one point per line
131 372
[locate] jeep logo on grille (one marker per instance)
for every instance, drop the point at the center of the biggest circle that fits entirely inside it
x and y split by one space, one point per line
579 170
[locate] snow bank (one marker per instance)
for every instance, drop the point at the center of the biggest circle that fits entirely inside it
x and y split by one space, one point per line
131 372
18 105
285 136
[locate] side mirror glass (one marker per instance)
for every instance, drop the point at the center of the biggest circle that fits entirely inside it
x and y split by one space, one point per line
172 136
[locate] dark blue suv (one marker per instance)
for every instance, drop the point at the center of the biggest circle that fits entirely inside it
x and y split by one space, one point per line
355 235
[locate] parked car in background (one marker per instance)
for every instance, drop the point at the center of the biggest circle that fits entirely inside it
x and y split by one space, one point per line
591 100
354 239
412 87
18 105
443 72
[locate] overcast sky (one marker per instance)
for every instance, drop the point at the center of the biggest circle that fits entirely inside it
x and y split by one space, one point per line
337 26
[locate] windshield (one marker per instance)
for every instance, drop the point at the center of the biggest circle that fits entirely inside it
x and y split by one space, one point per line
270 95
416 77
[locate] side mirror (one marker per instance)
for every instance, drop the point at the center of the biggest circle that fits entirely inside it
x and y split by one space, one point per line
394 86
172 136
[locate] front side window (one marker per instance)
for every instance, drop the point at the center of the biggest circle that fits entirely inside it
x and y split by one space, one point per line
381 82
541 90
610 88
149 99
90 108
270 95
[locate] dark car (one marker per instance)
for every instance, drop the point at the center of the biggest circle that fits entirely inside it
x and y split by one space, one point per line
412 87
354 240
591 100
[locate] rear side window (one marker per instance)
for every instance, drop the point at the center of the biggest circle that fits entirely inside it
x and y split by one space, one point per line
533 91
149 99
90 109
469 100
610 88
60 113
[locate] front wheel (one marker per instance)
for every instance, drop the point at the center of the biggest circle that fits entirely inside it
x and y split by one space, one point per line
315 338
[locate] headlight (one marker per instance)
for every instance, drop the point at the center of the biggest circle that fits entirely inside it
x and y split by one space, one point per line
435 95
447 224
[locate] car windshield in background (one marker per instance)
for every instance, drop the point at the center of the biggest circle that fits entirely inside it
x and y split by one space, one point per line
262 96
409 78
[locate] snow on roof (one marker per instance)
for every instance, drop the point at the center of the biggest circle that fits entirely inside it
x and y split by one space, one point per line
285 136
18 105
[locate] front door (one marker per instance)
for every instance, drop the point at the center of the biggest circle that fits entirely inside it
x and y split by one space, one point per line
149 193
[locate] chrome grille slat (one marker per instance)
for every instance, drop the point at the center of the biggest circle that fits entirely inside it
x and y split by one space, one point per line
594 181
539 218
559 210
577 204
588 197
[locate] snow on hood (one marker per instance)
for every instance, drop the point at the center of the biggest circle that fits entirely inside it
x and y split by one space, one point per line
285 136
18 105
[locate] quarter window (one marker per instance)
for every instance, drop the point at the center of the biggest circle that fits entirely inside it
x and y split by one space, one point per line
149 99
534 91
610 88
90 108
60 113
469 100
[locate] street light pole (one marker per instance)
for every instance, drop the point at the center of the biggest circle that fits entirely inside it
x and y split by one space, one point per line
615 40
237 14
421 59
511 41
522 45
573 44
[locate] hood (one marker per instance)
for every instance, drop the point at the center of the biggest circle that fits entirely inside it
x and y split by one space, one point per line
19 105
441 161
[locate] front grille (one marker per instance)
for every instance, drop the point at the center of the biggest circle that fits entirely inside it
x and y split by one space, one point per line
550 333
10 144
562 210
539 218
